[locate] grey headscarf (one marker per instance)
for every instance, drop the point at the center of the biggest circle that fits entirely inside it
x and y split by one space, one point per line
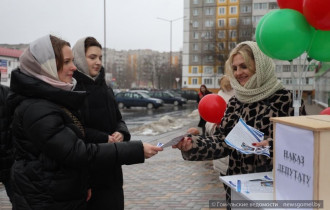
80 57
39 61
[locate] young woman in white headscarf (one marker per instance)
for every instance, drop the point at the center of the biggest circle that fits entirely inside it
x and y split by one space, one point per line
258 97
101 115
52 157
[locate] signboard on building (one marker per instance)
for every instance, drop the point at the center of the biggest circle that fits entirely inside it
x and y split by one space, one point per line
3 70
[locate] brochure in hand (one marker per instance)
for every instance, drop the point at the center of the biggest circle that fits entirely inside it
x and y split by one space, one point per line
242 136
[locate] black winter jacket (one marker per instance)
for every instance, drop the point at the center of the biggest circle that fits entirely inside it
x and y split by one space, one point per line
6 149
102 117
100 111
52 158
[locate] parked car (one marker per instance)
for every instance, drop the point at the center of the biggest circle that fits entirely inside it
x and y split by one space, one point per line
130 99
140 91
189 94
168 97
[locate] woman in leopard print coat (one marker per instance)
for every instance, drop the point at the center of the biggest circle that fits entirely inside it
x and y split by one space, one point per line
258 97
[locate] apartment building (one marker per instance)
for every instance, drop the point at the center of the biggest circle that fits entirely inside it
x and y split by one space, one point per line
211 30
213 27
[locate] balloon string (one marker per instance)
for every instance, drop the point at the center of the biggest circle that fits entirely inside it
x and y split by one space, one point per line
311 43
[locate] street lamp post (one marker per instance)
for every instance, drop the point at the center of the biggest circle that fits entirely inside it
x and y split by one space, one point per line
170 60
105 37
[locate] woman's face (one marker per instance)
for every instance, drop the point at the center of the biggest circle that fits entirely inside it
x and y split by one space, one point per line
65 74
94 60
241 71
203 89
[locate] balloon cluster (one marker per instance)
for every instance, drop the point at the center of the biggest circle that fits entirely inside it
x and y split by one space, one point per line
212 107
299 26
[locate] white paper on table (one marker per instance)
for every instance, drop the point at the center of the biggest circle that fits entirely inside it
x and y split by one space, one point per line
242 136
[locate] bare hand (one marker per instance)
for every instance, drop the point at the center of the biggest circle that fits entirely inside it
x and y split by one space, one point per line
111 139
193 131
184 145
263 143
118 137
89 194
150 150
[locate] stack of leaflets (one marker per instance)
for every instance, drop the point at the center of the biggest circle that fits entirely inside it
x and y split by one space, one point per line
242 136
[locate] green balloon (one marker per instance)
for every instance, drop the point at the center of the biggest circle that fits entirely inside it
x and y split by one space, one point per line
257 32
320 46
285 34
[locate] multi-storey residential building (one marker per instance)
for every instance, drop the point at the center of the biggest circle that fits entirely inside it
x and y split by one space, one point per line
9 60
143 69
322 84
211 30
213 27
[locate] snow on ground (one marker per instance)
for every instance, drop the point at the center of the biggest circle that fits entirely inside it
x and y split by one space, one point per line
165 124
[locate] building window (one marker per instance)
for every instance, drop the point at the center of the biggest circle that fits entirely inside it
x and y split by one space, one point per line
246 21
257 18
287 68
208 58
195 46
232 34
208 81
195 70
222 10
208 70
273 5
220 70
261 6
232 45
245 33
194 81
233 0
195 1
209 11
222 1
221 46
222 34
209 1
195 24
195 12
195 58
221 23
232 21
209 23
195 35
209 46
233 10
246 9
207 35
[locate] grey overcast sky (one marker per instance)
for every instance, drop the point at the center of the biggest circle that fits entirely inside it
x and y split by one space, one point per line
131 24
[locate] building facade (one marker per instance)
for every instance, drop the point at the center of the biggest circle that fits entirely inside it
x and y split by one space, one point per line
9 60
143 69
211 30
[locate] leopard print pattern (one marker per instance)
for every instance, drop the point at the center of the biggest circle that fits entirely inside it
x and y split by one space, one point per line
255 114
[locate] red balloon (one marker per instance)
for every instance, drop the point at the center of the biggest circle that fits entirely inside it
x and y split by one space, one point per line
317 13
291 4
212 107
325 111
